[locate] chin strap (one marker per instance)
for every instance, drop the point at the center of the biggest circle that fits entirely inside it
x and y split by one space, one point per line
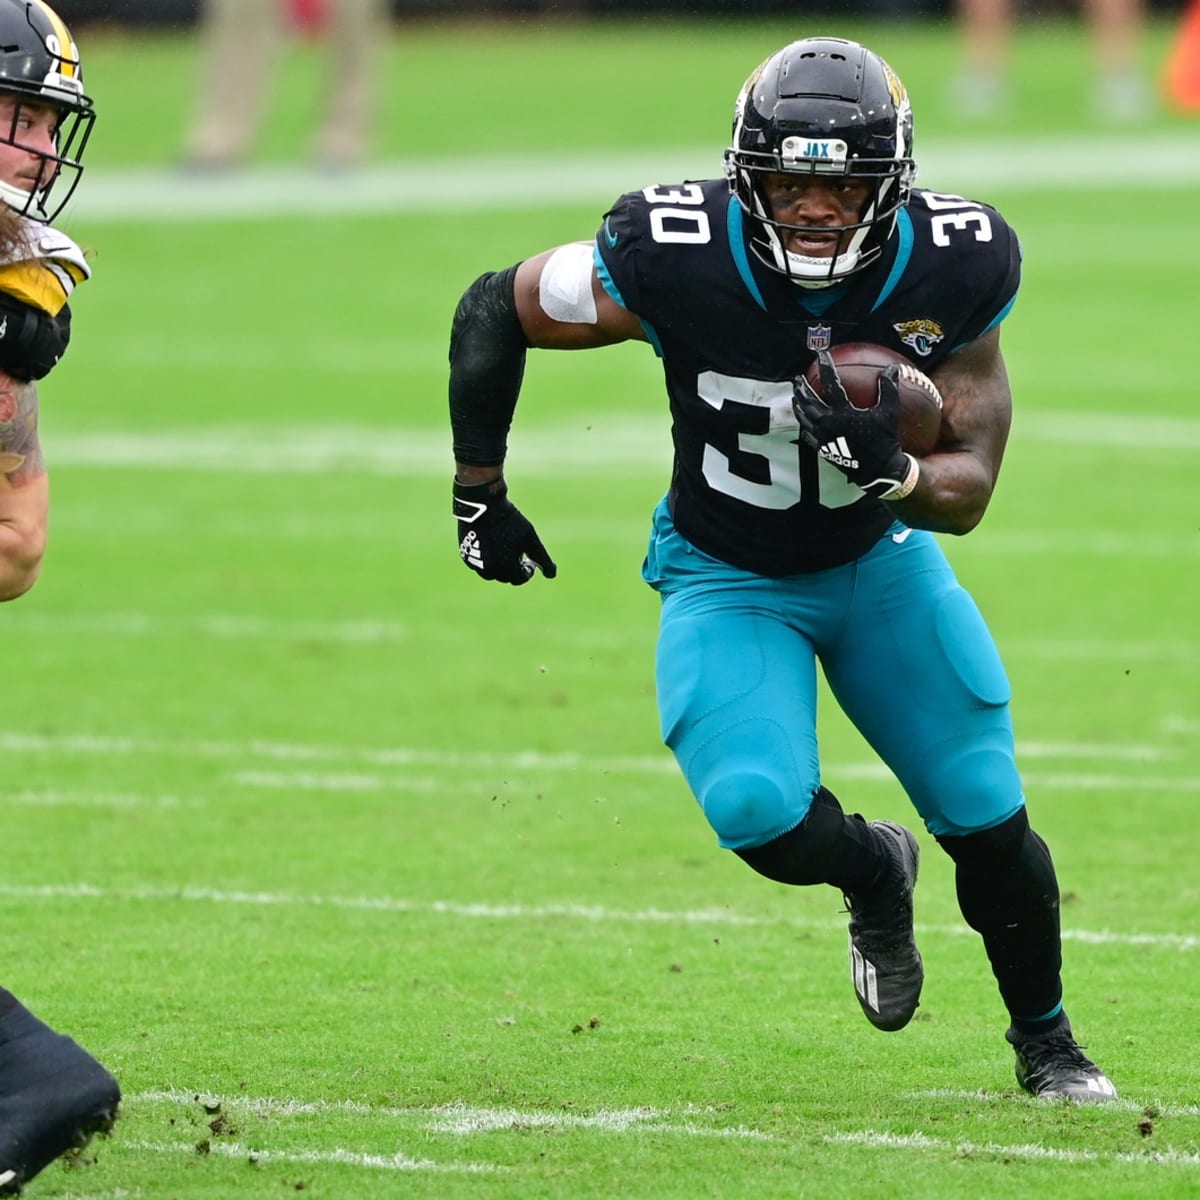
19 200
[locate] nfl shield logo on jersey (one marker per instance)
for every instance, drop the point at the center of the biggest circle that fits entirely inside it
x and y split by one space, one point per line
819 337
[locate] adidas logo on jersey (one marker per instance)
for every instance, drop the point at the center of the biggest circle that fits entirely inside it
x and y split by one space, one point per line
838 453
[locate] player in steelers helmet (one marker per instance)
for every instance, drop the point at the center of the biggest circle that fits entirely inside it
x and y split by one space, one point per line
45 113
46 120
53 1094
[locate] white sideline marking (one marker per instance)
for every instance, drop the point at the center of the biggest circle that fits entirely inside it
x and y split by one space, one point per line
1165 160
1142 1107
378 1162
919 1141
522 912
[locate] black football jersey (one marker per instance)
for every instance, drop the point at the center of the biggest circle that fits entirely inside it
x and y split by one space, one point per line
733 334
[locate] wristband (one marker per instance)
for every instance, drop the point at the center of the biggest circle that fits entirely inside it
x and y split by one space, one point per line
909 483
472 500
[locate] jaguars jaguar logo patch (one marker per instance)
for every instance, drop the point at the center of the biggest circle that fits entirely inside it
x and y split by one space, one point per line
920 335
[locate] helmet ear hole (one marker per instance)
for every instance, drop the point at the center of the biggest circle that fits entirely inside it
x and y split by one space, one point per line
828 108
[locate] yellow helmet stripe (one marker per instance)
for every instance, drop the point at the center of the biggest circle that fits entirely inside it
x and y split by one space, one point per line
68 66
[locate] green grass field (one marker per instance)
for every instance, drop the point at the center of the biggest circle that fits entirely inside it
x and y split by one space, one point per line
368 879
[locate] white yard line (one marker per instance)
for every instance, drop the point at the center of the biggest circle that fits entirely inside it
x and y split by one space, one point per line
375 631
1142 1107
631 444
461 1119
1164 160
347 1158
216 625
471 910
312 781
15 741
877 1140
29 798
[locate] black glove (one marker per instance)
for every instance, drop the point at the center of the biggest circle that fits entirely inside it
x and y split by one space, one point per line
863 443
31 341
495 540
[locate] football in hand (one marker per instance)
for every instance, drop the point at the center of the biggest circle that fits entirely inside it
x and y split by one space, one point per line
859 366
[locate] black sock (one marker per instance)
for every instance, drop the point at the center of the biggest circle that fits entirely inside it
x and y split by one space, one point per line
826 847
1008 893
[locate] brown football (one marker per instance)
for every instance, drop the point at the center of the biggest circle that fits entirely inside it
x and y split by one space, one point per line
859 366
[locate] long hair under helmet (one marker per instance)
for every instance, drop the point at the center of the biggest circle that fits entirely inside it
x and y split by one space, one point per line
39 64
823 107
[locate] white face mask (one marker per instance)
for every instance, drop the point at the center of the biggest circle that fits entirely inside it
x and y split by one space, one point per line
811 271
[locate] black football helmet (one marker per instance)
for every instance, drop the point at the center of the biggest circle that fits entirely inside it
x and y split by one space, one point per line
823 106
39 65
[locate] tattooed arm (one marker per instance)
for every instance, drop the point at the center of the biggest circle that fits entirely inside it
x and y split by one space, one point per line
24 489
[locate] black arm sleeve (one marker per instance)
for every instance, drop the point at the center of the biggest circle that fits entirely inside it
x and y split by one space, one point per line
31 341
487 363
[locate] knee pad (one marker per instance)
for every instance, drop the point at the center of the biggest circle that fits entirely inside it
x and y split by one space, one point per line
747 808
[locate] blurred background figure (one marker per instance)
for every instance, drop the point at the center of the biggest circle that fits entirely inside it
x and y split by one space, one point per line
243 40
1121 93
1181 75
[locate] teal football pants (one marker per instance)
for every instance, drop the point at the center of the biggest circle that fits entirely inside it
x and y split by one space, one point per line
905 652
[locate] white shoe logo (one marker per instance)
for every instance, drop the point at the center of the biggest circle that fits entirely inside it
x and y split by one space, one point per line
1101 1085
865 982
838 452
901 537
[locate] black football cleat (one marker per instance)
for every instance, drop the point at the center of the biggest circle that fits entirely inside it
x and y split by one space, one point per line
1052 1066
53 1096
885 964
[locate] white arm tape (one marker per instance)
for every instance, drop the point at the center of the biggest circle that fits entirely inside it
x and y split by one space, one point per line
565 289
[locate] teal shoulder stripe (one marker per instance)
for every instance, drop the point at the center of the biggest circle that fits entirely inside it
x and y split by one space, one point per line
990 325
606 281
903 253
737 245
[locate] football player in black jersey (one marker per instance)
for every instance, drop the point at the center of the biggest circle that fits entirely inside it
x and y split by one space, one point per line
795 529
53 1093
